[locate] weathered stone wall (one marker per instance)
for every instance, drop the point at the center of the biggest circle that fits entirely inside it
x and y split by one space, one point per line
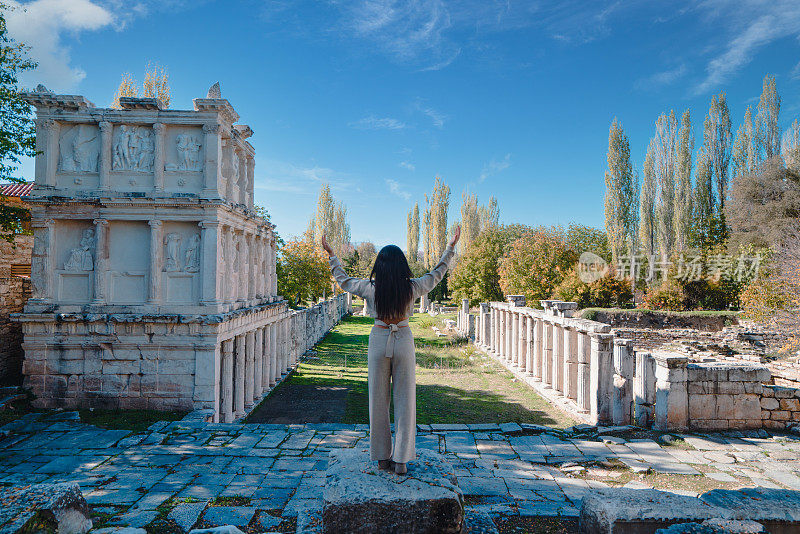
725 396
14 293
780 406
659 320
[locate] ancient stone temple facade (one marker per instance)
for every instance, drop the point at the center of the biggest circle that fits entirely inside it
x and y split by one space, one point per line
154 282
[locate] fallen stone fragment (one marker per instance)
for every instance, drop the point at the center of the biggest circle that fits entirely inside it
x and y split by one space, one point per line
360 498
62 504
613 510
777 509
185 514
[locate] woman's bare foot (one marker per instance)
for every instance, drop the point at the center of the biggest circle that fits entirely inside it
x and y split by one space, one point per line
400 469
385 464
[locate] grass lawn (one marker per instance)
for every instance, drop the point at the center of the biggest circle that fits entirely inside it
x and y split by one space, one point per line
455 383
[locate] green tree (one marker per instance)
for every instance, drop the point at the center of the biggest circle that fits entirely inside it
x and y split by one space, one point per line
581 238
717 145
769 131
476 275
470 221
412 233
664 165
683 183
647 204
743 157
489 214
536 263
17 133
303 272
620 196
330 219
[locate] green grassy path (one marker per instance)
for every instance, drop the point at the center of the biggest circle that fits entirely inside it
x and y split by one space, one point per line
455 383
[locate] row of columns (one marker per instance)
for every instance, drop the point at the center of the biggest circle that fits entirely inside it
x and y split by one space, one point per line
253 362
573 357
248 263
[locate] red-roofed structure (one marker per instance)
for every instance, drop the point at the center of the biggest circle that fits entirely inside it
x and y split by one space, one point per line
16 190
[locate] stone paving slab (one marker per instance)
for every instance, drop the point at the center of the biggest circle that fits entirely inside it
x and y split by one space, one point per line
507 468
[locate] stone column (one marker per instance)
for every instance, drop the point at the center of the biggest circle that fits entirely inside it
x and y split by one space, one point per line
522 342
104 161
530 329
156 248
251 268
583 377
239 153
547 354
258 368
46 152
273 271
672 397
601 368
239 376
100 260
482 331
538 349
230 179
260 272
558 357
274 347
249 369
570 362
251 168
212 170
266 368
42 261
509 333
159 157
226 400
231 278
515 338
241 282
209 239
644 389
622 393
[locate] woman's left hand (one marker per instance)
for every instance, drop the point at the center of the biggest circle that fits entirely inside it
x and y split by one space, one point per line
456 236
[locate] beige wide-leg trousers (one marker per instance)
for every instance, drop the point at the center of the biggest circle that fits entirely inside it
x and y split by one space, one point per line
400 368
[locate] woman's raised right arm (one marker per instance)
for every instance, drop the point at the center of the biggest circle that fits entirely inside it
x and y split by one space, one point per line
356 286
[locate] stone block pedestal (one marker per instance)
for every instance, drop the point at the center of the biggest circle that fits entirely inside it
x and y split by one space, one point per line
360 498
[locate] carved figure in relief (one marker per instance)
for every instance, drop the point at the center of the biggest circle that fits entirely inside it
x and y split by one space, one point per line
188 148
133 149
77 149
80 257
172 243
192 256
235 165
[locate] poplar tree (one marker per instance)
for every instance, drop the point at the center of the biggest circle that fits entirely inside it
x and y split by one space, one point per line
440 203
717 144
683 183
619 197
330 219
489 214
791 149
664 166
703 202
647 204
769 132
412 233
427 235
743 156
156 85
470 221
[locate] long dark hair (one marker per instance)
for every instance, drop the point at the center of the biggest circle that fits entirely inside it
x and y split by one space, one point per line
391 277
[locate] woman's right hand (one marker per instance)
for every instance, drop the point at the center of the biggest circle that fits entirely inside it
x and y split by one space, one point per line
326 246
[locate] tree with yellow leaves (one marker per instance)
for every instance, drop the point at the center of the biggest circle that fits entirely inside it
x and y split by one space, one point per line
156 85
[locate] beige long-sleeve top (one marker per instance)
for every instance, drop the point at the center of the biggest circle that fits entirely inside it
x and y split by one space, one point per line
364 288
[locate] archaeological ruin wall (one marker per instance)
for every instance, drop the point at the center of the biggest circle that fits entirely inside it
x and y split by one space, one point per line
153 279
587 370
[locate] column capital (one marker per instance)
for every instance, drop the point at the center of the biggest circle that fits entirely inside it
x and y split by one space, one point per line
159 128
100 222
155 223
44 124
211 128
43 223
209 224
105 126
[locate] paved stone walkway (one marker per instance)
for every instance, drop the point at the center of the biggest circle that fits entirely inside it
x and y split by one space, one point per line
261 475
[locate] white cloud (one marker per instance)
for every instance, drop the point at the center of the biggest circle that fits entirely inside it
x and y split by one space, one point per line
406 165
378 123
435 116
494 167
795 73
395 189
752 25
40 24
660 79
284 177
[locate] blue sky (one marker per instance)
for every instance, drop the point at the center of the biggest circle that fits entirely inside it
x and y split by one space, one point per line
376 98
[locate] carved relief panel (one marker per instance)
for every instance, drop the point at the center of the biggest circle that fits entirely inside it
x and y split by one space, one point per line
78 149
74 261
133 148
183 158
181 263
